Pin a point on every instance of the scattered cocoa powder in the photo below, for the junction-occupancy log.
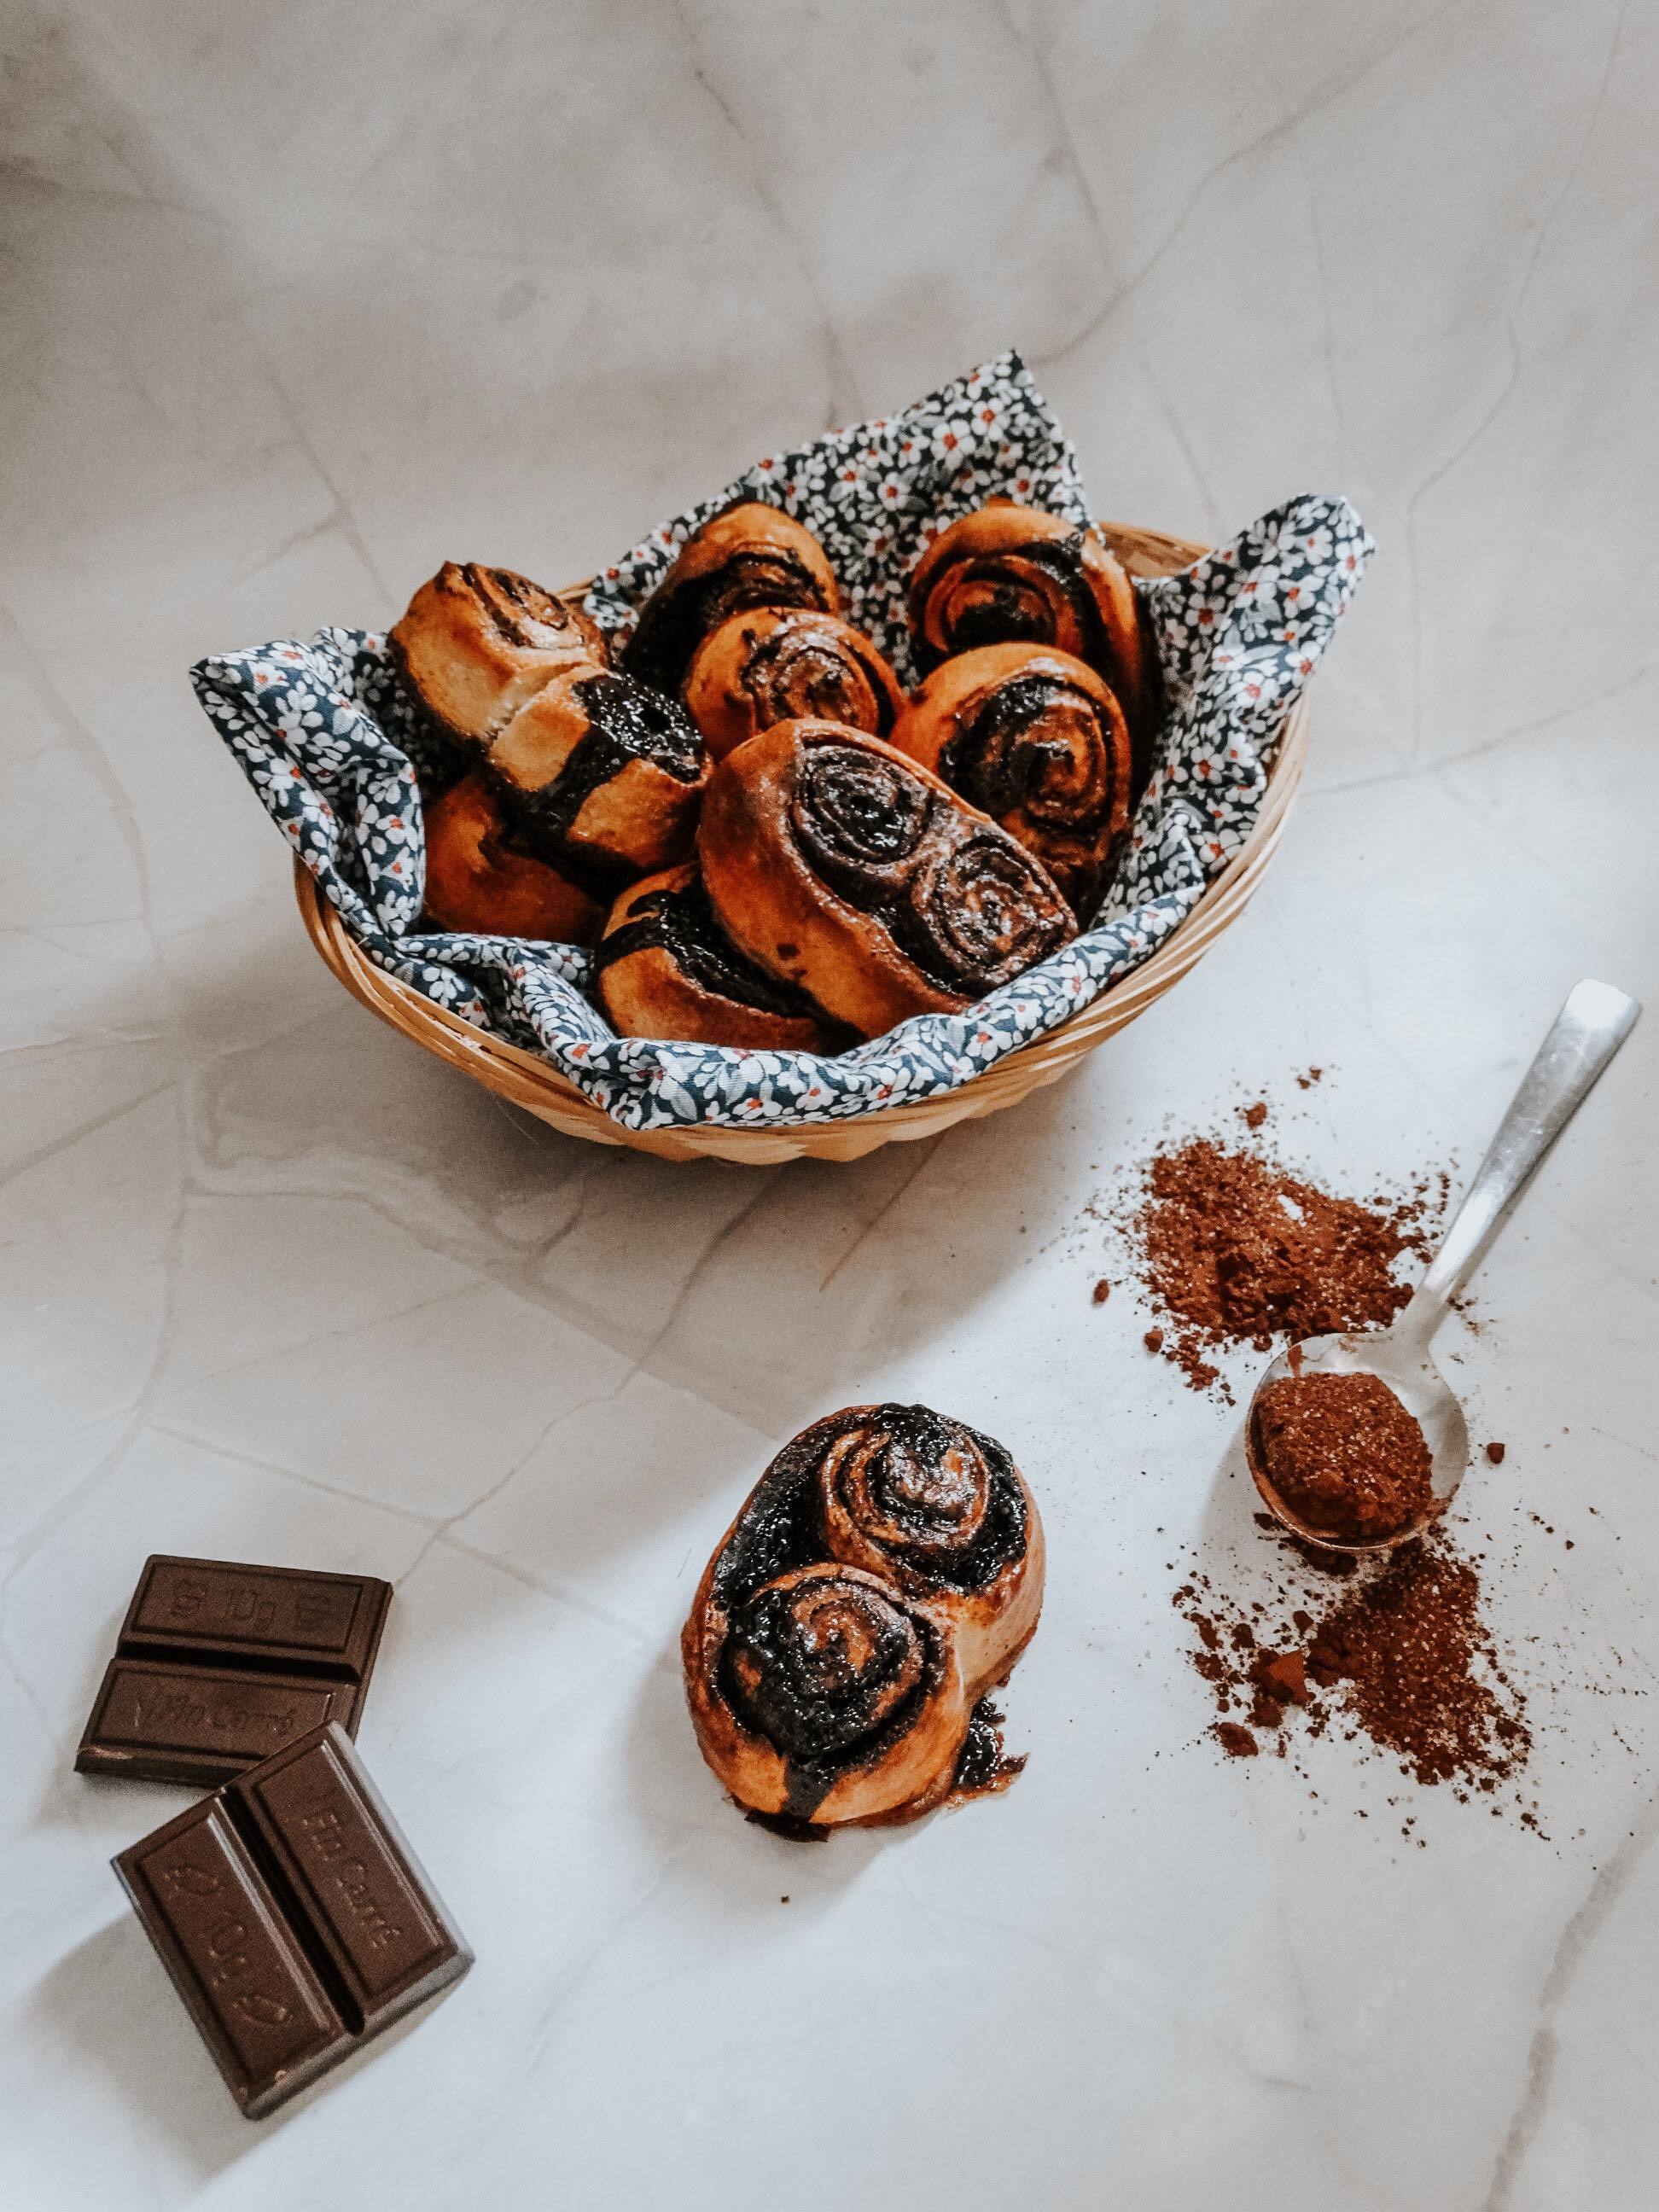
(1306, 1082)
(1153, 1339)
(1234, 1249)
(1256, 1114)
(1495, 1454)
(1343, 1454)
(1419, 1671)
(1401, 1655)
(1102, 1291)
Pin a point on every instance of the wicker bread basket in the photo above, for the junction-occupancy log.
(525, 1080)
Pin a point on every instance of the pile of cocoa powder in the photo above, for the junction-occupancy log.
(1233, 1249)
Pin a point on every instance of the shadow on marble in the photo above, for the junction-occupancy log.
(110, 2002)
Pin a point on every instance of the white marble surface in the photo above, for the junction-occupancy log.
(299, 299)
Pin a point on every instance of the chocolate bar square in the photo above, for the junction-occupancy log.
(218, 1665)
(294, 1919)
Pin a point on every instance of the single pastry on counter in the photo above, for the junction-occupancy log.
(1009, 574)
(480, 878)
(666, 968)
(885, 1573)
(1035, 738)
(600, 774)
(476, 643)
(845, 869)
(751, 556)
(779, 664)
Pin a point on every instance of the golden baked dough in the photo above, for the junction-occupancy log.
(1008, 574)
(751, 556)
(885, 1573)
(778, 664)
(474, 643)
(842, 867)
(666, 968)
(476, 879)
(1036, 740)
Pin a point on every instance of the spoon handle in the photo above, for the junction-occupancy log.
(1588, 1031)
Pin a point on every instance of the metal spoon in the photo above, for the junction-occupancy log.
(1588, 1031)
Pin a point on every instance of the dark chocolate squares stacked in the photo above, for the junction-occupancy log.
(294, 1920)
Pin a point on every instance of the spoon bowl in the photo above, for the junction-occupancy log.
(1421, 1389)
(1586, 1034)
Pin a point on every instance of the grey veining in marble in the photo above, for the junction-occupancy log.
(297, 301)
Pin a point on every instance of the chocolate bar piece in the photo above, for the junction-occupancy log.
(219, 1665)
(294, 1919)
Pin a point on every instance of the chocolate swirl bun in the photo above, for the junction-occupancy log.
(477, 878)
(599, 773)
(1009, 574)
(1038, 741)
(844, 868)
(779, 664)
(883, 1574)
(474, 643)
(666, 968)
(752, 556)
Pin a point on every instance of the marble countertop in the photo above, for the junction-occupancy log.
(299, 301)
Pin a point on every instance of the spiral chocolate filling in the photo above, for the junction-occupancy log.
(970, 907)
(683, 923)
(829, 1668)
(1037, 743)
(520, 611)
(815, 674)
(626, 721)
(821, 1661)
(936, 1495)
(987, 601)
(677, 617)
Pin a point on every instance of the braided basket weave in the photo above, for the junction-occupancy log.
(525, 1080)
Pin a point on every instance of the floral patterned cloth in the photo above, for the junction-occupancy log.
(330, 746)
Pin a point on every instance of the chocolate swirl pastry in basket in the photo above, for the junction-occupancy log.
(580, 777)
(1009, 574)
(886, 1572)
(666, 968)
(474, 643)
(751, 556)
(779, 664)
(847, 871)
(1037, 740)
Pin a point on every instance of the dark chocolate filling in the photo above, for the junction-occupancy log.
(820, 1665)
(626, 721)
(832, 1672)
(516, 606)
(910, 1484)
(813, 674)
(1002, 759)
(678, 615)
(969, 906)
(1012, 612)
(682, 922)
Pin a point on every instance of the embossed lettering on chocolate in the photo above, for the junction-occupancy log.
(218, 1665)
(294, 1920)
